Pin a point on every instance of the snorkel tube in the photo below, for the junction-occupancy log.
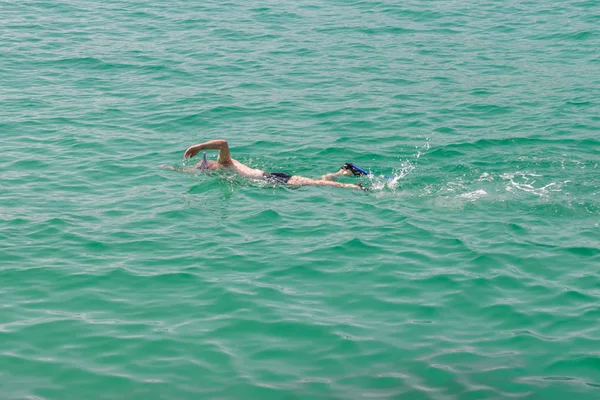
(204, 163)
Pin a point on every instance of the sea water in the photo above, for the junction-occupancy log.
(472, 274)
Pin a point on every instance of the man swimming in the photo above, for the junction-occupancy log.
(224, 161)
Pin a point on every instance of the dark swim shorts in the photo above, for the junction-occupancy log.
(278, 177)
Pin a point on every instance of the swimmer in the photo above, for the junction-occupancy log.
(224, 161)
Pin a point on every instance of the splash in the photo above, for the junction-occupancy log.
(381, 182)
(392, 182)
(423, 149)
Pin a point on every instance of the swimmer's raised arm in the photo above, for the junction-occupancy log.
(221, 145)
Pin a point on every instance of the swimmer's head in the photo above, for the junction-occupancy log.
(205, 164)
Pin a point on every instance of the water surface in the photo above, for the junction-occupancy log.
(471, 275)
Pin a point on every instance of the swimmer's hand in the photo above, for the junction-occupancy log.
(192, 151)
(169, 167)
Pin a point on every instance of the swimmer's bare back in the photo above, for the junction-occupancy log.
(224, 161)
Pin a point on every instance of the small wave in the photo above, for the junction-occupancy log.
(485, 177)
(477, 194)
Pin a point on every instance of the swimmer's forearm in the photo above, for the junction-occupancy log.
(221, 145)
(211, 145)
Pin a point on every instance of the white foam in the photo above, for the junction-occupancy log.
(525, 182)
(485, 177)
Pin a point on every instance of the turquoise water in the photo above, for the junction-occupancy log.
(471, 275)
